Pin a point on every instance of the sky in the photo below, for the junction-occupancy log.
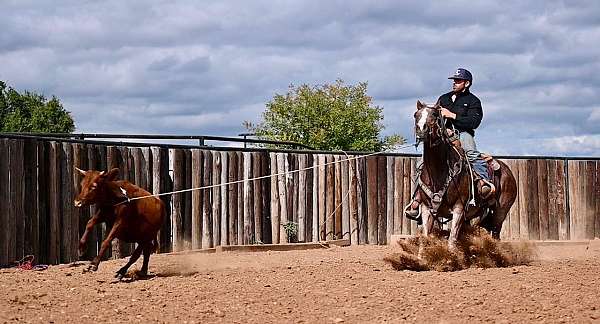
(204, 67)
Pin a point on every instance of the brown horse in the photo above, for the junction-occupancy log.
(446, 183)
(135, 221)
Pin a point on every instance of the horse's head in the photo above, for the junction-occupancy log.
(428, 122)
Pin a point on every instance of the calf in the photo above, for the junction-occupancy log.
(137, 221)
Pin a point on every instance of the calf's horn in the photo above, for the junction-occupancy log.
(80, 171)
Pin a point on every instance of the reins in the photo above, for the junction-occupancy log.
(436, 196)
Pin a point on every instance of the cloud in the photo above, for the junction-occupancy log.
(204, 67)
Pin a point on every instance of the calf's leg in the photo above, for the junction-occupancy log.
(134, 257)
(105, 245)
(148, 247)
(88, 227)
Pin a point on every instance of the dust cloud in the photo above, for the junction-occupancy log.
(476, 249)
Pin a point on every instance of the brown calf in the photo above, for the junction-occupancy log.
(136, 221)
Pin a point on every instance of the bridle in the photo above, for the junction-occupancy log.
(436, 130)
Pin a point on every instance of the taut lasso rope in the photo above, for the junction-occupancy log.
(259, 178)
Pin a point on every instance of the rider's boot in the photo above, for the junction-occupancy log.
(485, 188)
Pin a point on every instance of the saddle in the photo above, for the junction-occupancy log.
(493, 165)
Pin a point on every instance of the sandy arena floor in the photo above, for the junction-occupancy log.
(336, 285)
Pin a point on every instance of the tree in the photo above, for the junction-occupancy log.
(31, 112)
(326, 117)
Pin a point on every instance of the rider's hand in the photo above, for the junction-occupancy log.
(447, 113)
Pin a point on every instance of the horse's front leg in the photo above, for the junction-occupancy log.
(458, 219)
(427, 227)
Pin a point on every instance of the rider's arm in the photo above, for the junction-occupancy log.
(471, 118)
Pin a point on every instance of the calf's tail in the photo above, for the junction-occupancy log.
(155, 245)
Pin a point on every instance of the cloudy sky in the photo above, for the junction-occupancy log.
(203, 67)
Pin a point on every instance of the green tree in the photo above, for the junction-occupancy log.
(32, 112)
(326, 117)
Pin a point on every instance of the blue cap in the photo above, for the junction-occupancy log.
(462, 74)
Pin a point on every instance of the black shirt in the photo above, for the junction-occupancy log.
(467, 108)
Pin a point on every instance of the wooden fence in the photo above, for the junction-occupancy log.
(360, 200)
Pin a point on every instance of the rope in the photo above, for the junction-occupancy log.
(26, 263)
(257, 178)
(272, 175)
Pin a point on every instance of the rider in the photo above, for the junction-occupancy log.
(463, 114)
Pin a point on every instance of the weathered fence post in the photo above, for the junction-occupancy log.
(216, 198)
(372, 199)
(43, 200)
(248, 197)
(337, 207)
(302, 198)
(398, 198)
(161, 183)
(233, 197)
(240, 198)
(330, 198)
(315, 199)
(17, 200)
(322, 193)
(31, 211)
(207, 217)
(55, 203)
(197, 199)
(389, 197)
(178, 198)
(282, 187)
(353, 202)
(275, 217)
(224, 199)
(361, 189)
(257, 197)
(5, 230)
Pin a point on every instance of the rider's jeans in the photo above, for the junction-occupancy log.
(479, 165)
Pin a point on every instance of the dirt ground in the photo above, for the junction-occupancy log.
(335, 285)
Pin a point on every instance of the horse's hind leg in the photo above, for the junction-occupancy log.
(493, 223)
(134, 257)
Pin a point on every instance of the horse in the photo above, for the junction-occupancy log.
(133, 221)
(446, 183)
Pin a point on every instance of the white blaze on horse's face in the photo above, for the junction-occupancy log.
(422, 119)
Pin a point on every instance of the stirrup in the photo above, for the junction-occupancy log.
(413, 214)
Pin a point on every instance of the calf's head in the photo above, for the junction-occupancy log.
(94, 186)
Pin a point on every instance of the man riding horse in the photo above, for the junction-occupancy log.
(463, 114)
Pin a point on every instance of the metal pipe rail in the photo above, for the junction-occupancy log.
(201, 138)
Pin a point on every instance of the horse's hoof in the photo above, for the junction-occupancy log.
(119, 276)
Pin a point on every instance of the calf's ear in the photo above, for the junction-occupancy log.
(420, 105)
(112, 174)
